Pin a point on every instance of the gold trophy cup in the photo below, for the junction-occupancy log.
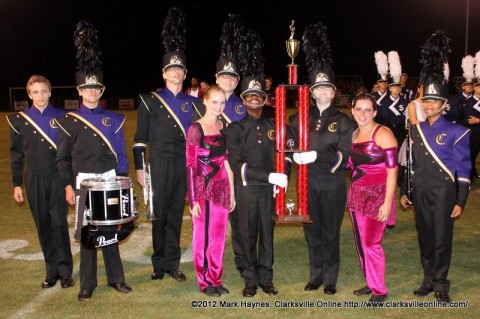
(292, 50)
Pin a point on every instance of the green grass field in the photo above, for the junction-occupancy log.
(22, 271)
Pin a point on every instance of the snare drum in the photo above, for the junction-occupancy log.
(109, 200)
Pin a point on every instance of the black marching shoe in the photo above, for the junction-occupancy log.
(211, 291)
(269, 289)
(310, 286)
(84, 295)
(177, 275)
(249, 291)
(362, 291)
(157, 275)
(66, 282)
(330, 289)
(49, 282)
(442, 296)
(222, 290)
(422, 291)
(378, 298)
(121, 287)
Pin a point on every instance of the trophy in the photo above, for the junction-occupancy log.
(292, 50)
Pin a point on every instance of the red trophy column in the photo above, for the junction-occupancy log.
(280, 96)
(303, 145)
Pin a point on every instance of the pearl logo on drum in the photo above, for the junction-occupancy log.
(102, 242)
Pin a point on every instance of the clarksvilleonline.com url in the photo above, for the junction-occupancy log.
(310, 304)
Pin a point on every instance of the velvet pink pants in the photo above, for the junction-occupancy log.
(208, 243)
(368, 234)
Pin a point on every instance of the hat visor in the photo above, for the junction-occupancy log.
(395, 84)
(228, 73)
(379, 81)
(174, 65)
(433, 98)
(322, 84)
(91, 86)
(254, 91)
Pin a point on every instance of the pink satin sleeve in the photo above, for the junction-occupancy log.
(193, 139)
(391, 157)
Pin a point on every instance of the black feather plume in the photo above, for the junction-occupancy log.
(174, 30)
(434, 56)
(318, 54)
(232, 36)
(250, 55)
(88, 49)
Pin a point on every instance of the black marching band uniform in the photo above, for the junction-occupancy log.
(91, 143)
(163, 119)
(162, 124)
(251, 155)
(441, 166)
(33, 137)
(330, 136)
(440, 179)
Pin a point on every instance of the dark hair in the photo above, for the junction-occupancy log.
(365, 96)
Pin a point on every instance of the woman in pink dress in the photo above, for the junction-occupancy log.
(371, 199)
(210, 192)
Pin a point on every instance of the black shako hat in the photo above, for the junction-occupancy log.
(435, 70)
(318, 56)
(174, 39)
(89, 67)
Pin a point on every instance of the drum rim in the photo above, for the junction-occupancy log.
(107, 184)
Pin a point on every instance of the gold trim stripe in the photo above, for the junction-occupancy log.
(38, 129)
(96, 130)
(12, 125)
(433, 154)
(172, 113)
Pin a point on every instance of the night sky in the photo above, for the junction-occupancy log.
(37, 36)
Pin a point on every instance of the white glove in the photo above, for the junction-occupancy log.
(305, 157)
(297, 157)
(278, 179)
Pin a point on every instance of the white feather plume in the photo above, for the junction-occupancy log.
(477, 65)
(395, 66)
(382, 63)
(468, 63)
(446, 71)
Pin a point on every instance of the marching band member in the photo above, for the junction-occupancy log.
(91, 143)
(251, 154)
(330, 133)
(441, 165)
(163, 120)
(33, 136)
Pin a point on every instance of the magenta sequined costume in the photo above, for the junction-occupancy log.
(208, 185)
(369, 164)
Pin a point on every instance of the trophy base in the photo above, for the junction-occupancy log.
(292, 219)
